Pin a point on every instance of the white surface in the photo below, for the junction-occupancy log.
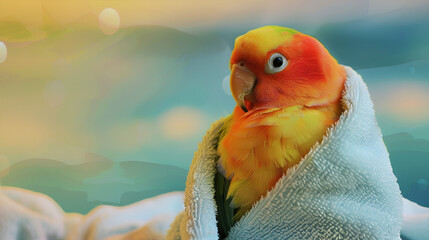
(108, 221)
(29, 215)
(415, 225)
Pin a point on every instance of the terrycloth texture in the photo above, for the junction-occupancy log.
(343, 189)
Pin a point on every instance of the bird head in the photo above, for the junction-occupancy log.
(276, 67)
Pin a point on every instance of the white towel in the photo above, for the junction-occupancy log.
(343, 189)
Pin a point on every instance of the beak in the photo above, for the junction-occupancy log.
(242, 82)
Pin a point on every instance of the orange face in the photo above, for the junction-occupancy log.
(279, 67)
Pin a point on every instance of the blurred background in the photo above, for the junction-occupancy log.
(105, 101)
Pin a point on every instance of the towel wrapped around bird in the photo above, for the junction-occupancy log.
(344, 188)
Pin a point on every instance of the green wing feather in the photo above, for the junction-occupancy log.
(225, 212)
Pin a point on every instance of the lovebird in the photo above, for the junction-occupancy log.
(288, 92)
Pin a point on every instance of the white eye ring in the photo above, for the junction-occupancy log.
(276, 63)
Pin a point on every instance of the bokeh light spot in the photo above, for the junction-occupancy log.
(3, 52)
(109, 21)
(182, 123)
(405, 100)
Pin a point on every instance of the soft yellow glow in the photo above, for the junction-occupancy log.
(181, 123)
(109, 21)
(3, 52)
(23, 131)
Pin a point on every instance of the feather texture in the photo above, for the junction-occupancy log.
(263, 144)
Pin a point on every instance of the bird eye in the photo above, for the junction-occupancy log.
(276, 63)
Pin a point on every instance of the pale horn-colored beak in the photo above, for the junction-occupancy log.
(242, 82)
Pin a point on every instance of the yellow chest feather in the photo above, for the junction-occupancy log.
(261, 145)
